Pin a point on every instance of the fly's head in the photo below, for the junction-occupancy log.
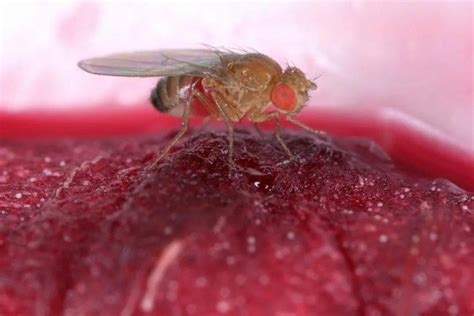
(291, 93)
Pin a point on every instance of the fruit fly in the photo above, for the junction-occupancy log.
(221, 84)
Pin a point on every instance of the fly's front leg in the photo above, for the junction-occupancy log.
(258, 129)
(293, 120)
(184, 128)
(262, 117)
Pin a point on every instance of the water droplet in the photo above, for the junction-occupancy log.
(383, 238)
(290, 235)
(201, 282)
(223, 307)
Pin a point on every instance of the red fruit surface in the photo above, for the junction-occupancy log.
(86, 230)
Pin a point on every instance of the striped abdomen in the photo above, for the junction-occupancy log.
(170, 92)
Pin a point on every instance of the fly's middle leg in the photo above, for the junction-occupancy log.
(225, 117)
(184, 128)
(293, 120)
(262, 117)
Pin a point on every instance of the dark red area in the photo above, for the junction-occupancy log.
(85, 229)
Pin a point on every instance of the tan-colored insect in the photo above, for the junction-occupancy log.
(223, 85)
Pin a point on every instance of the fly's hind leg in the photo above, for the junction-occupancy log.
(184, 128)
(262, 117)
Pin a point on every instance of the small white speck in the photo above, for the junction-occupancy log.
(379, 204)
(383, 238)
(420, 278)
(433, 188)
(18, 195)
(201, 282)
(258, 221)
(347, 212)
(47, 159)
(453, 309)
(406, 189)
(168, 230)
(402, 196)
(251, 240)
(230, 260)
(223, 307)
(433, 236)
(47, 172)
(465, 208)
(62, 163)
(290, 235)
(86, 182)
(33, 179)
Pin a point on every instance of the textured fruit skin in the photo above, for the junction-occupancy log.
(84, 229)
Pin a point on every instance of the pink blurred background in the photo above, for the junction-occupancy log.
(407, 64)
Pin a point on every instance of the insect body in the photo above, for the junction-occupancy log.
(224, 85)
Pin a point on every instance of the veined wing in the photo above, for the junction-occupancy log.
(167, 62)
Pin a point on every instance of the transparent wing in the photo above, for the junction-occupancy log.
(168, 62)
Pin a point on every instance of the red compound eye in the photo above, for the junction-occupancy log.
(284, 97)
